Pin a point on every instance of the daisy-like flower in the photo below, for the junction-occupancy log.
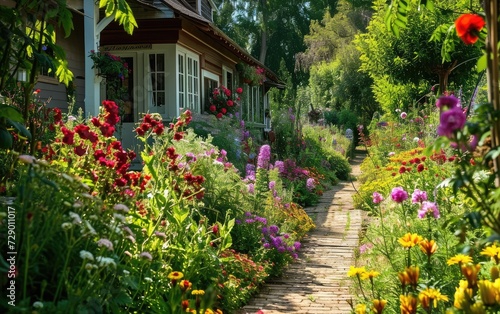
(409, 240)
(492, 251)
(488, 292)
(370, 274)
(378, 305)
(408, 304)
(429, 247)
(356, 271)
(459, 259)
(198, 292)
(185, 285)
(431, 296)
(177, 275)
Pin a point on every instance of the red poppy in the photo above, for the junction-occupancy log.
(468, 27)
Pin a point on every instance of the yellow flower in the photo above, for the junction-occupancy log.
(488, 292)
(428, 247)
(378, 305)
(409, 240)
(413, 273)
(369, 274)
(408, 304)
(197, 292)
(431, 295)
(463, 296)
(175, 275)
(470, 273)
(185, 285)
(360, 309)
(477, 308)
(492, 251)
(460, 259)
(209, 311)
(356, 271)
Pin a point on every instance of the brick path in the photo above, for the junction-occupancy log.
(317, 282)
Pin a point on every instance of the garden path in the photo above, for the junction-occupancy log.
(317, 281)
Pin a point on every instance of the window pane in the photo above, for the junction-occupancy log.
(152, 63)
(160, 59)
(160, 85)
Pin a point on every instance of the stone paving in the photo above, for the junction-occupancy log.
(317, 282)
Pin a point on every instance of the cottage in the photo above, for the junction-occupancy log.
(176, 57)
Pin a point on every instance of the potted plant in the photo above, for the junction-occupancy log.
(251, 75)
(109, 66)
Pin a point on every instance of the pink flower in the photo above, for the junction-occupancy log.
(106, 243)
(418, 196)
(450, 121)
(403, 115)
(448, 102)
(428, 208)
(377, 198)
(399, 195)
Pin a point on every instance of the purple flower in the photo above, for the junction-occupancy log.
(365, 247)
(450, 121)
(286, 236)
(296, 245)
(250, 221)
(191, 156)
(295, 255)
(106, 243)
(281, 249)
(280, 165)
(418, 196)
(264, 157)
(251, 188)
(428, 207)
(448, 102)
(264, 230)
(399, 195)
(377, 198)
(310, 184)
(272, 185)
(146, 255)
(267, 245)
(248, 214)
(274, 229)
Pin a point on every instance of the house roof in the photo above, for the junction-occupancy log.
(182, 8)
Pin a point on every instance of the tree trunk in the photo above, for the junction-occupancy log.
(263, 32)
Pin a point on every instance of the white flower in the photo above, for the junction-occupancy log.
(416, 139)
(86, 255)
(391, 154)
(216, 162)
(90, 228)
(71, 118)
(106, 243)
(89, 266)
(147, 279)
(38, 305)
(105, 261)
(121, 207)
(126, 272)
(76, 217)
(67, 225)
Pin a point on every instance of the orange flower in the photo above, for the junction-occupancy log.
(470, 272)
(468, 27)
(378, 305)
(408, 304)
(428, 247)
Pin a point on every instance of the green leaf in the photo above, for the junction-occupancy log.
(180, 214)
(11, 113)
(481, 63)
(66, 21)
(21, 129)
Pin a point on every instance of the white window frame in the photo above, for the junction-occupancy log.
(225, 71)
(151, 88)
(188, 83)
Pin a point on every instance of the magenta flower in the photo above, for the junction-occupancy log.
(272, 185)
(251, 188)
(418, 196)
(403, 115)
(428, 208)
(310, 184)
(448, 102)
(450, 121)
(399, 195)
(280, 165)
(377, 198)
(264, 157)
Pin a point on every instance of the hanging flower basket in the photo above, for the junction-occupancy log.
(251, 75)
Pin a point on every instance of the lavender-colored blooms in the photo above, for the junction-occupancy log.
(277, 199)
(106, 243)
(448, 102)
(280, 165)
(295, 255)
(418, 196)
(274, 229)
(267, 245)
(377, 198)
(275, 193)
(292, 117)
(237, 221)
(251, 188)
(262, 220)
(310, 184)
(399, 195)
(286, 236)
(272, 185)
(264, 157)
(450, 121)
(250, 221)
(365, 247)
(146, 255)
(242, 124)
(265, 230)
(428, 207)
(281, 249)
(473, 143)
(248, 214)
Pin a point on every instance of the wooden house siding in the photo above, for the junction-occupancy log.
(74, 48)
(206, 9)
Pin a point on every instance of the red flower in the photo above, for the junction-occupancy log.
(178, 136)
(139, 131)
(219, 115)
(230, 103)
(213, 108)
(468, 27)
(68, 137)
(239, 90)
(223, 110)
(420, 167)
(79, 150)
(57, 115)
(107, 129)
(402, 169)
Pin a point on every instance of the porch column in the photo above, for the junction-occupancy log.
(92, 83)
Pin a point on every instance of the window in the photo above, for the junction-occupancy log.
(188, 81)
(157, 76)
(227, 78)
(253, 107)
